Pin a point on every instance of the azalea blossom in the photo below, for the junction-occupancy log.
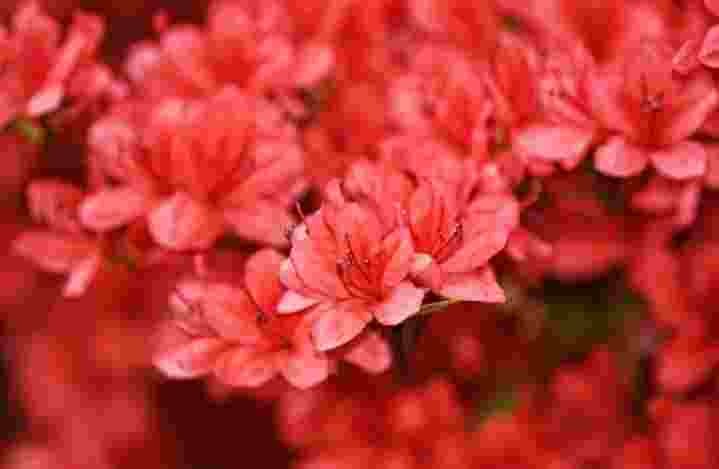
(347, 268)
(196, 169)
(63, 247)
(455, 228)
(37, 66)
(235, 333)
(653, 113)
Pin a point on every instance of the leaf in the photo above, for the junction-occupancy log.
(32, 131)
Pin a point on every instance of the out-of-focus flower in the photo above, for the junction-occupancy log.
(37, 67)
(422, 427)
(250, 45)
(64, 248)
(653, 113)
(196, 169)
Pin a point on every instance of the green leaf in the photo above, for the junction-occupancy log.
(31, 130)
(430, 308)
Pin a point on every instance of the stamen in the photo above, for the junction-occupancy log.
(354, 260)
(456, 235)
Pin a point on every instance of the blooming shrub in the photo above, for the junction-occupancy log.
(341, 234)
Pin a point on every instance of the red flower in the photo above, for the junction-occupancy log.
(653, 112)
(454, 231)
(64, 248)
(199, 168)
(236, 335)
(348, 267)
(37, 66)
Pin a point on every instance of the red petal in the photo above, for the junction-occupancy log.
(52, 252)
(306, 369)
(180, 356)
(337, 324)
(112, 208)
(709, 52)
(180, 222)
(475, 286)
(371, 353)
(262, 221)
(619, 158)
(292, 302)
(684, 160)
(552, 142)
(244, 367)
(404, 301)
(262, 279)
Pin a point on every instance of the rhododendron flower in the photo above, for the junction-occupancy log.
(64, 248)
(254, 46)
(454, 231)
(236, 334)
(654, 112)
(348, 268)
(567, 127)
(36, 65)
(198, 169)
(449, 103)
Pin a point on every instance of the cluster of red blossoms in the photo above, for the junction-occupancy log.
(395, 233)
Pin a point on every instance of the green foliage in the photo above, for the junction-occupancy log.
(33, 131)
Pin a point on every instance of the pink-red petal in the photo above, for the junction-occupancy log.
(404, 301)
(475, 286)
(620, 158)
(681, 161)
(113, 208)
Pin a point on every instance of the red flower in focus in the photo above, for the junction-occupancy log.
(454, 230)
(349, 267)
(197, 169)
(236, 334)
(653, 112)
(36, 66)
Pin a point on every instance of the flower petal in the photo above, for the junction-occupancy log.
(552, 142)
(620, 158)
(52, 252)
(426, 272)
(46, 100)
(181, 356)
(475, 286)
(262, 278)
(313, 64)
(338, 323)
(112, 208)
(231, 313)
(399, 243)
(244, 367)
(681, 161)
(292, 302)
(82, 275)
(180, 222)
(709, 52)
(263, 222)
(304, 370)
(688, 111)
(476, 251)
(404, 301)
(370, 352)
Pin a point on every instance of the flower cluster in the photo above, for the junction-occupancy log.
(422, 233)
